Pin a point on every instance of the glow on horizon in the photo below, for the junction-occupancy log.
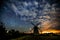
(51, 31)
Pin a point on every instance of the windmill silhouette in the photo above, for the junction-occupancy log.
(35, 28)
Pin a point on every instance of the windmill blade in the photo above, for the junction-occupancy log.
(38, 23)
(32, 23)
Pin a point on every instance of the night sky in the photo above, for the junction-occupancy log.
(18, 14)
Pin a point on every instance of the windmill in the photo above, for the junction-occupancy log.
(35, 28)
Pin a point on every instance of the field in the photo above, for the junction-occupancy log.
(39, 37)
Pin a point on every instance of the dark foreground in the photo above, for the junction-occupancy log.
(39, 37)
(16, 35)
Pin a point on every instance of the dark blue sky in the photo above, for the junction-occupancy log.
(17, 14)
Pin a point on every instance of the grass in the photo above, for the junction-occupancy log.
(38, 37)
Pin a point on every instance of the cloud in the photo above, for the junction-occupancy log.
(35, 3)
(28, 9)
(22, 9)
(46, 25)
(25, 4)
(14, 8)
(47, 17)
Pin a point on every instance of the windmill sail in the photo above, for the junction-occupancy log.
(35, 28)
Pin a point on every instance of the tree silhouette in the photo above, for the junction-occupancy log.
(13, 34)
(2, 31)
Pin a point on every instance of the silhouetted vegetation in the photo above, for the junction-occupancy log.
(11, 34)
(2, 32)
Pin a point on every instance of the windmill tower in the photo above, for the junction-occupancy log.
(35, 28)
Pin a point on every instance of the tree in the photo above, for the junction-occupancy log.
(2, 31)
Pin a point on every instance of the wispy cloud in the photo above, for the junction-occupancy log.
(29, 10)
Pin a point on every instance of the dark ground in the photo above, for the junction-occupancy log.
(39, 37)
